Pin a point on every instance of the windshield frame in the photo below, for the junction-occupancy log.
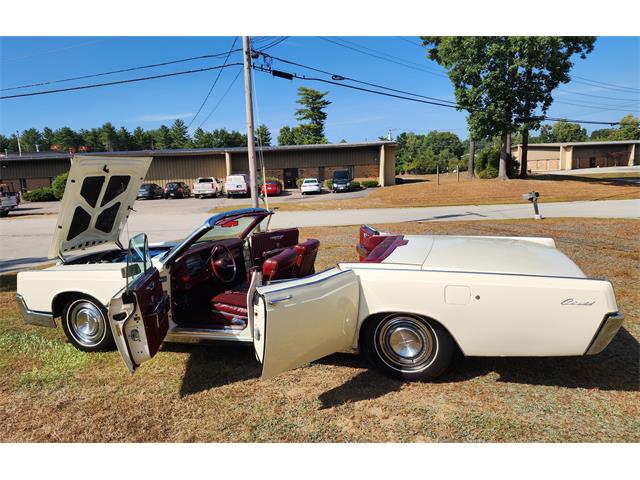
(259, 215)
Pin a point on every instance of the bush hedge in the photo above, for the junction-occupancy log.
(44, 194)
(355, 185)
(58, 184)
(328, 183)
(370, 183)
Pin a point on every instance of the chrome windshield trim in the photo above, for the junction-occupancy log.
(204, 228)
(43, 319)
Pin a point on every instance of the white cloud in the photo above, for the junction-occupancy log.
(163, 116)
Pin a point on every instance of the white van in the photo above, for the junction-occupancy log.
(237, 184)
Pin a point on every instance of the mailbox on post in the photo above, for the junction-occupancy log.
(533, 198)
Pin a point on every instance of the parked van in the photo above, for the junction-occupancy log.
(237, 184)
(206, 187)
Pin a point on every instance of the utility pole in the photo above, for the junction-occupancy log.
(472, 158)
(19, 147)
(251, 150)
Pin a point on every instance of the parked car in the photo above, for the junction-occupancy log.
(237, 185)
(177, 190)
(271, 188)
(206, 187)
(310, 185)
(9, 199)
(408, 305)
(341, 181)
(150, 191)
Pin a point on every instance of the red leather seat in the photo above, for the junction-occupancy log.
(306, 257)
(280, 266)
(230, 306)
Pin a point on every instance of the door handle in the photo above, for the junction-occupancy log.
(275, 301)
(151, 286)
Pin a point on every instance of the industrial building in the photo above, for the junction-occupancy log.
(369, 160)
(545, 157)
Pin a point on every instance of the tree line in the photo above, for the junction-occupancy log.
(311, 116)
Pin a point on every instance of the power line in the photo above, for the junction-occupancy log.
(235, 79)
(213, 85)
(274, 43)
(403, 63)
(117, 82)
(609, 85)
(600, 106)
(359, 81)
(569, 92)
(412, 99)
(417, 44)
(123, 70)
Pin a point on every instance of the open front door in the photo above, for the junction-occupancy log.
(302, 320)
(139, 313)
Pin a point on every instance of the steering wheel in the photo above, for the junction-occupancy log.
(223, 262)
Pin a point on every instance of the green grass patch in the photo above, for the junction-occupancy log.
(52, 362)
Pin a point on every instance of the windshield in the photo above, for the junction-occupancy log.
(204, 180)
(311, 180)
(173, 185)
(230, 228)
(342, 175)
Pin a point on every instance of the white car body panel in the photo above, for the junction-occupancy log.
(296, 322)
(205, 188)
(310, 187)
(491, 314)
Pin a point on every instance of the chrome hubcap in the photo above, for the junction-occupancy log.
(86, 323)
(405, 343)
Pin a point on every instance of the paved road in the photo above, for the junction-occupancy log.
(25, 240)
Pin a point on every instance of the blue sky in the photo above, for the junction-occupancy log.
(353, 115)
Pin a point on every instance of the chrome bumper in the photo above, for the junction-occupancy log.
(34, 318)
(610, 326)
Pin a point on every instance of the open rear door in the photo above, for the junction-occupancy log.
(298, 321)
(139, 313)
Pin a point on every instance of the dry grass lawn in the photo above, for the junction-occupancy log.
(425, 192)
(51, 392)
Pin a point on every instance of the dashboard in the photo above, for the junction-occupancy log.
(192, 267)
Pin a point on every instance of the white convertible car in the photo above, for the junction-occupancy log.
(408, 304)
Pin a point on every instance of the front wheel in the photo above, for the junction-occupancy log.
(408, 346)
(84, 321)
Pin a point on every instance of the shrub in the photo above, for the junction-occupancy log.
(489, 172)
(58, 184)
(355, 184)
(328, 183)
(369, 183)
(299, 182)
(44, 194)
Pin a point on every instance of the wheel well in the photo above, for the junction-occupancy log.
(60, 300)
(374, 316)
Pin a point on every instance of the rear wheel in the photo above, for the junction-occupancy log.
(407, 346)
(84, 321)
(197, 196)
(4, 213)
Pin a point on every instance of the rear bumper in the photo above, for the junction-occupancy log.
(31, 317)
(608, 329)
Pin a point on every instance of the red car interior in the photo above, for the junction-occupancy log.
(267, 244)
(374, 247)
(203, 301)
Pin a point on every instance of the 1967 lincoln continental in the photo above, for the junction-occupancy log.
(408, 304)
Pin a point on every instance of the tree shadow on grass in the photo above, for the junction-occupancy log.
(214, 365)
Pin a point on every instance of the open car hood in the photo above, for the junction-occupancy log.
(99, 194)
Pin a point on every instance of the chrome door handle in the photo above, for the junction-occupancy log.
(151, 286)
(274, 301)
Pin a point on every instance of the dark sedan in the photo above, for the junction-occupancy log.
(177, 190)
(149, 191)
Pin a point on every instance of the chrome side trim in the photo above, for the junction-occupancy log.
(43, 319)
(610, 326)
(195, 335)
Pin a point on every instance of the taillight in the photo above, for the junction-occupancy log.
(179, 190)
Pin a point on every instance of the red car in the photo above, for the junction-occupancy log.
(271, 187)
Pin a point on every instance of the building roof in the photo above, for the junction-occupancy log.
(581, 144)
(192, 151)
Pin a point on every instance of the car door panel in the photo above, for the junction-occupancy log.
(306, 319)
(139, 319)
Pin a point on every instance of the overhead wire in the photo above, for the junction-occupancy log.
(235, 79)
(118, 82)
(213, 85)
(112, 72)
